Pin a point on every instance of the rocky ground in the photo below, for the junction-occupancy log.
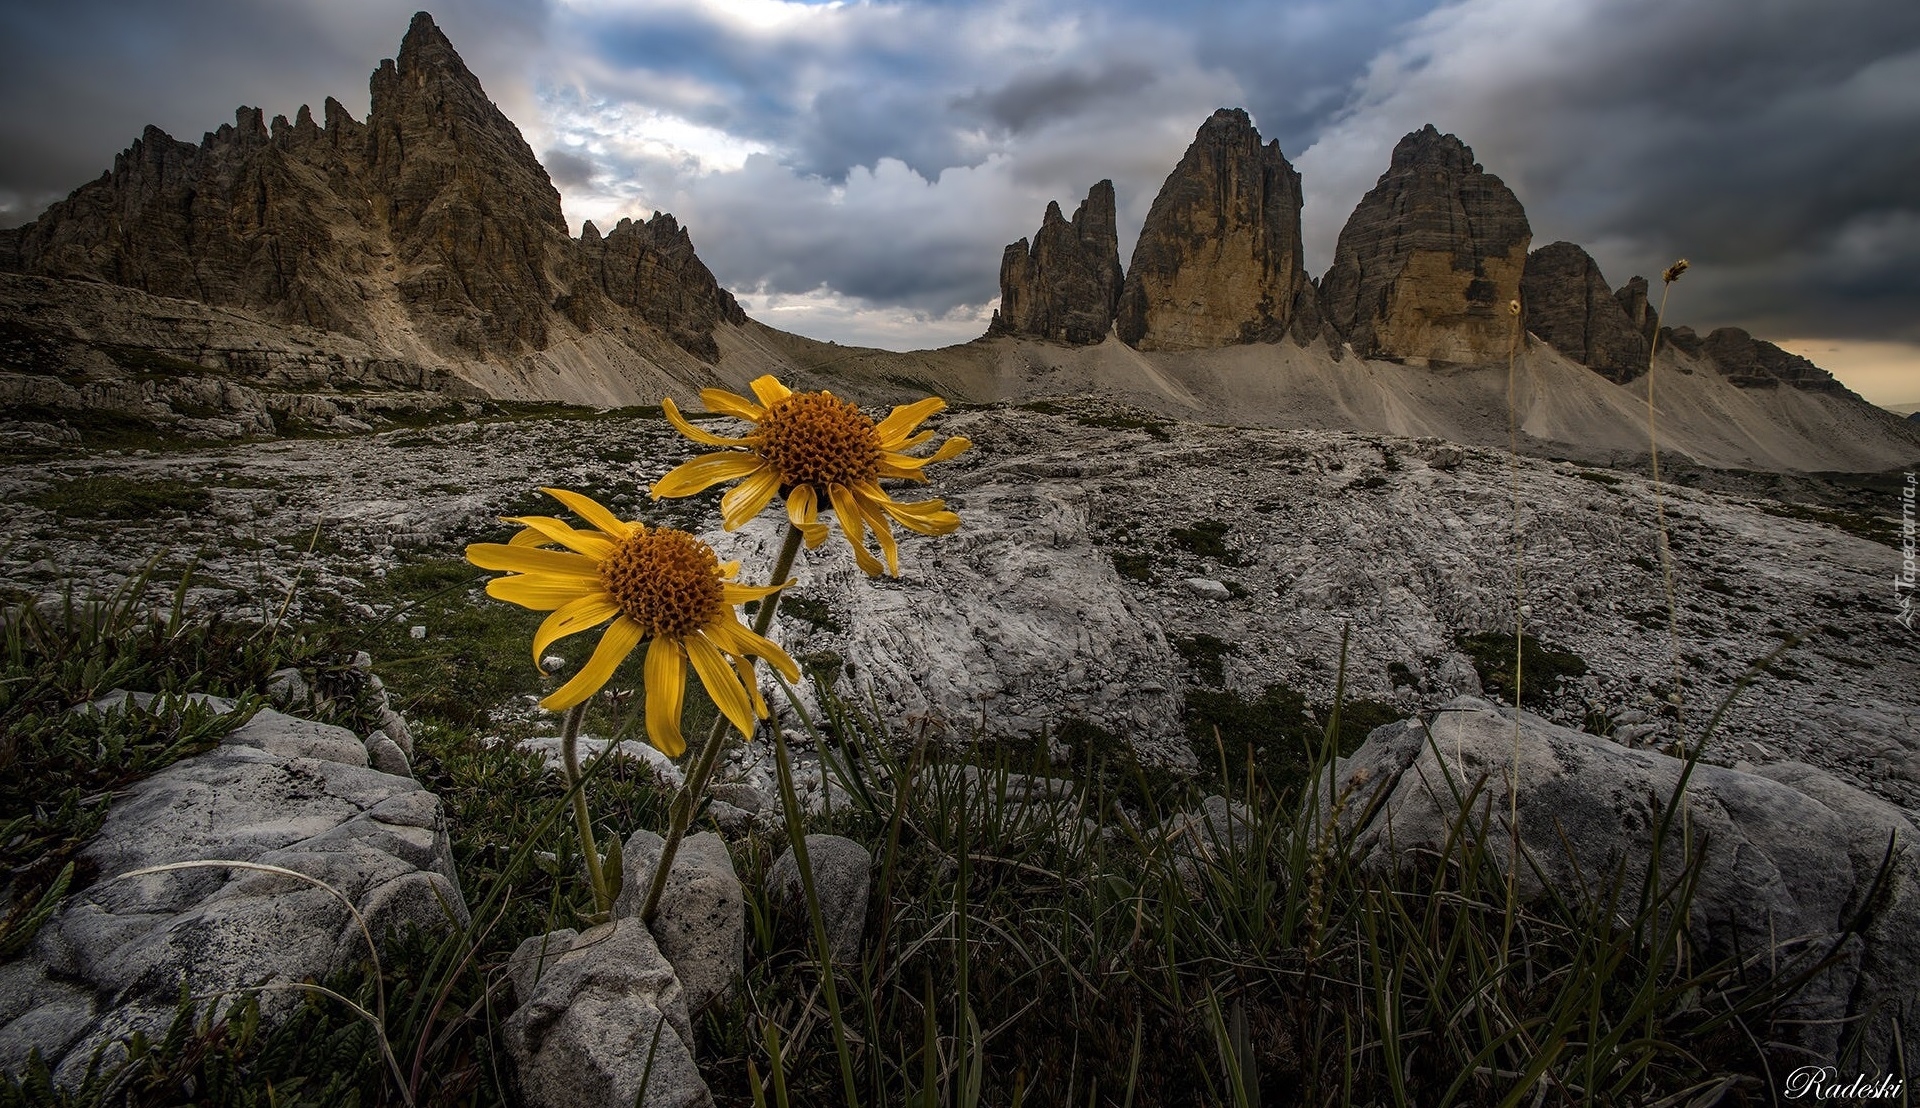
(1108, 562)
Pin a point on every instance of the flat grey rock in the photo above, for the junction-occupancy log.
(111, 960)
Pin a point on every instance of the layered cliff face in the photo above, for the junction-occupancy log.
(1065, 287)
(1428, 262)
(1219, 259)
(431, 229)
(1569, 306)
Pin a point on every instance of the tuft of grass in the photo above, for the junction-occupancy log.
(812, 610)
(1134, 565)
(1273, 735)
(1154, 428)
(1860, 524)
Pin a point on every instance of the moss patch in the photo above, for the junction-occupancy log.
(111, 497)
(1542, 667)
(1207, 538)
(1203, 654)
(1275, 731)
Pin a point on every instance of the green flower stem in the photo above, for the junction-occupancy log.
(702, 768)
(569, 749)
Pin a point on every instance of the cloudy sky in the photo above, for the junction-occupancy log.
(852, 170)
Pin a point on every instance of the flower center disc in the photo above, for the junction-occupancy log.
(666, 581)
(818, 439)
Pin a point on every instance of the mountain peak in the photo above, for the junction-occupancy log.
(1224, 232)
(426, 49)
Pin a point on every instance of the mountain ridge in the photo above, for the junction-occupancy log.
(329, 274)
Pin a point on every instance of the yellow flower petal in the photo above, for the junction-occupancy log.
(744, 500)
(744, 668)
(593, 544)
(621, 637)
(584, 614)
(540, 591)
(527, 536)
(705, 472)
(735, 638)
(681, 424)
(666, 692)
(803, 511)
(869, 499)
(589, 509)
(722, 683)
(526, 559)
(733, 593)
(769, 389)
(952, 448)
(731, 403)
(853, 526)
(894, 429)
(926, 517)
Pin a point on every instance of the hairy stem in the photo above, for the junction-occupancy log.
(570, 753)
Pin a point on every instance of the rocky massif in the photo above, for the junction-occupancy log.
(427, 235)
(1219, 257)
(1427, 264)
(1424, 272)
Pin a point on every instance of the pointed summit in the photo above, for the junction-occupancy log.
(1218, 260)
(1430, 259)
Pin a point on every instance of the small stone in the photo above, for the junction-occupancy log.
(417, 631)
(386, 756)
(287, 687)
(1207, 587)
(702, 923)
(842, 874)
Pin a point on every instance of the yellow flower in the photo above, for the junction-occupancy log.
(813, 447)
(660, 586)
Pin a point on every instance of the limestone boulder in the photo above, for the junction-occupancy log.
(606, 1027)
(701, 928)
(1788, 857)
(279, 791)
(842, 875)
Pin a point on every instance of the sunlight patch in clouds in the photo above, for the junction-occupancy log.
(852, 321)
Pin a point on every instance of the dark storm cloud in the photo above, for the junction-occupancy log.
(1032, 98)
(83, 78)
(568, 169)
